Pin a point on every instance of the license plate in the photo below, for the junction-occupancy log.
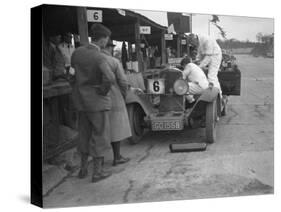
(167, 125)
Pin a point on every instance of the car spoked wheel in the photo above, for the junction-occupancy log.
(211, 119)
(136, 118)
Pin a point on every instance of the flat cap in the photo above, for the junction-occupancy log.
(98, 30)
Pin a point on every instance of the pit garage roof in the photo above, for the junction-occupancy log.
(122, 24)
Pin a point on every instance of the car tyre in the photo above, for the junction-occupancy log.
(211, 119)
(136, 119)
(224, 110)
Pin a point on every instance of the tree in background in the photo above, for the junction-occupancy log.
(234, 43)
(264, 46)
(259, 37)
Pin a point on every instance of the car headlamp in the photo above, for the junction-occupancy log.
(180, 87)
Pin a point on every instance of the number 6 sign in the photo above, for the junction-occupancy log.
(94, 15)
(156, 86)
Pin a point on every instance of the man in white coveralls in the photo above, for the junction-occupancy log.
(209, 56)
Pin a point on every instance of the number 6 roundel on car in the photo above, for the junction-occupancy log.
(156, 86)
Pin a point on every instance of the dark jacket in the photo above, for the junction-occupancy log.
(53, 59)
(93, 79)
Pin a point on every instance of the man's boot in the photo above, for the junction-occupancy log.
(83, 167)
(98, 173)
(118, 158)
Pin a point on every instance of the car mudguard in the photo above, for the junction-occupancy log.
(142, 100)
(209, 94)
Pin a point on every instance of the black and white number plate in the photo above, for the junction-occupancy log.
(166, 125)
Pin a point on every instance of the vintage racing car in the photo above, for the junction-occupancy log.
(163, 105)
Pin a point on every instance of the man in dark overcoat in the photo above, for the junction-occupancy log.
(93, 80)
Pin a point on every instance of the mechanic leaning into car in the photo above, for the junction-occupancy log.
(197, 80)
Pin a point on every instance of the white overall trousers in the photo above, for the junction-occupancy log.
(210, 55)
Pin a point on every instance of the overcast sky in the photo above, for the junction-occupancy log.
(241, 28)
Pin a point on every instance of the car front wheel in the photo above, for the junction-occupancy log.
(136, 118)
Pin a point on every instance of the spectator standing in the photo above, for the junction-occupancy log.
(93, 80)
